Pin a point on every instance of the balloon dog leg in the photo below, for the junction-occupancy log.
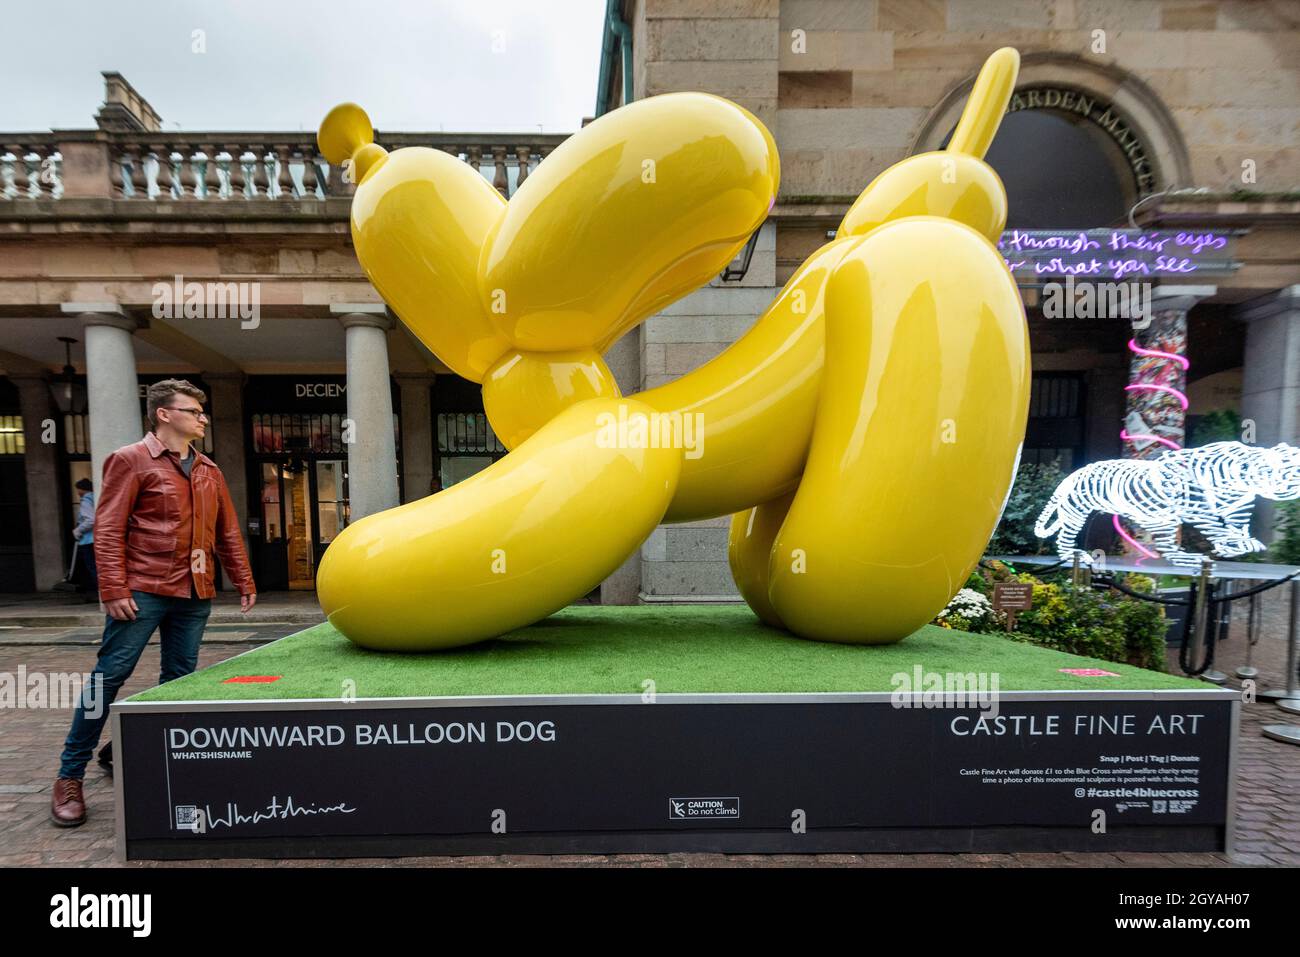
(749, 551)
(510, 545)
(917, 433)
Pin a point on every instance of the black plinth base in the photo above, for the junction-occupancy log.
(601, 774)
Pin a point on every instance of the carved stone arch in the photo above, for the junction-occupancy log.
(1139, 105)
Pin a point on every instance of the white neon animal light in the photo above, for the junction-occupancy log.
(1212, 488)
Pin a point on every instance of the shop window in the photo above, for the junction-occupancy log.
(331, 499)
(319, 432)
(1056, 420)
(11, 435)
(299, 432)
(466, 445)
(76, 434)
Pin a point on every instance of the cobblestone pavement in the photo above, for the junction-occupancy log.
(1268, 825)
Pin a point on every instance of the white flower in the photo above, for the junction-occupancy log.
(968, 604)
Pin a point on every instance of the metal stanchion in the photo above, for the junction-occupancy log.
(1290, 690)
(1200, 620)
(1197, 612)
(1289, 700)
(1248, 670)
(1221, 608)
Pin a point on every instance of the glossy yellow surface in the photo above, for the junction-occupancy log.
(756, 402)
(636, 210)
(749, 552)
(419, 220)
(864, 433)
(525, 390)
(954, 183)
(521, 539)
(918, 429)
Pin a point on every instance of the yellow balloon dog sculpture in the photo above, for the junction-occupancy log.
(865, 431)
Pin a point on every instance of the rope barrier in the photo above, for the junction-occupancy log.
(1034, 569)
(1108, 582)
(1259, 588)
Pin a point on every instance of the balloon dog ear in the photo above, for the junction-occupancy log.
(986, 104)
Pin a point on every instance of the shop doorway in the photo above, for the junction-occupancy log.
(304, 505)
(16, 571)
(298, 440)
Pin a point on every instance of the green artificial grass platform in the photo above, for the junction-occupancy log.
(613, 650)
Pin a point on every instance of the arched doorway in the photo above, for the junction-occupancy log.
(1080, 144)
(1061, 170)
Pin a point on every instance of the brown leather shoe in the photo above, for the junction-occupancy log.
(69, 807)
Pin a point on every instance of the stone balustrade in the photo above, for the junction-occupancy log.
(30, 166)
(161, 167)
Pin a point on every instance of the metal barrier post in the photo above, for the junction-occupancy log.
(1198, 613)
(1288, 701)
(1248, 670)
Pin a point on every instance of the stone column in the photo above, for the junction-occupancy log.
(417, 433)
(1155, 413)
(1270, 380)
(372, 453)
(623, 587)
(226, 400)
(41, 469)
(111, 383)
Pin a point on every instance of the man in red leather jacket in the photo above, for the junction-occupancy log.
(163, 511)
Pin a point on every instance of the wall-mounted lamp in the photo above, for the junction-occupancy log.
(737, 268)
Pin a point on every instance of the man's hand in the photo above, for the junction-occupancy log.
(123, 609)
(246, 603)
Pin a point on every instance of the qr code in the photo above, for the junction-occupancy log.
(1159, 807)
(187, 816)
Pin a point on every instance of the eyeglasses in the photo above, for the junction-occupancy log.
(197, 413)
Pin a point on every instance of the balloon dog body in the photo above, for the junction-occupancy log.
(864, 433)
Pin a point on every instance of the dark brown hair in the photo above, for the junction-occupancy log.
(160, 395)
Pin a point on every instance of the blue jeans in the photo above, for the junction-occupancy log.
(90, 579)
(180, 623)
